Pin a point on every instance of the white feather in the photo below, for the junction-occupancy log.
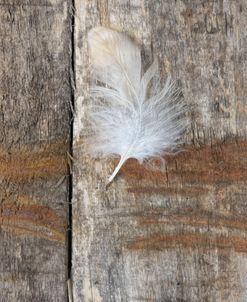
(131, 116)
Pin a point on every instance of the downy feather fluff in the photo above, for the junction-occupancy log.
(132, 117)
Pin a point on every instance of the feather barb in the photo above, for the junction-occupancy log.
(132, 116)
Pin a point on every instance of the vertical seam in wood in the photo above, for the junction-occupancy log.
(72, 102)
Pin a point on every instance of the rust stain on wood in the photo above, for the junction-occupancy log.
(191, 171)
(186, 191)
(203, 219)
(45, 161)
(189, 240)
(187, 13)
(35, 220)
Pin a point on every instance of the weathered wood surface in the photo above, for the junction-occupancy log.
(35, 38)
(178, 235)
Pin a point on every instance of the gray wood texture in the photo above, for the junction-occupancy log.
(178, 235)
(35, 92)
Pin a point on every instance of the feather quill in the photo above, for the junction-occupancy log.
(132, 116)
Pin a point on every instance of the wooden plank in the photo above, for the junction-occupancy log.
(35, 125)
(180, 234)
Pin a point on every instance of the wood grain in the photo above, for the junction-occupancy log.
(178, 234)
(35, 124)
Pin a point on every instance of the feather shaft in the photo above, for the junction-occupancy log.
(118, 167)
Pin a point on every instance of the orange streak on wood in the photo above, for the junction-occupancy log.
(46, 161)
(190, 171)
(186, 191)
(36, 220)
(188, 240)
(196, 219)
